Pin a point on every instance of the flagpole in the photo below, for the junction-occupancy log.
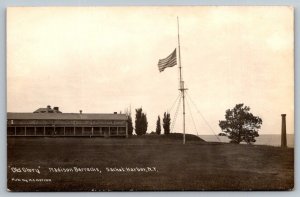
(181, 83)
(179, 56)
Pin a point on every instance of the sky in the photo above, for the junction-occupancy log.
(104, 60)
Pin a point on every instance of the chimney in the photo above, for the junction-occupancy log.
(115, 112)
(283, 131)
(56, 108)
(48, 107)
(80, 111)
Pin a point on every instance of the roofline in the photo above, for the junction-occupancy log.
(60, 116)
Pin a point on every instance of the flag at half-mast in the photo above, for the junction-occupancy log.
(169, 61)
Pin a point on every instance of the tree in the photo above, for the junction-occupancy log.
(130, 127)
(158, 127)
(240, 125)
(141, 123)
(166, 123)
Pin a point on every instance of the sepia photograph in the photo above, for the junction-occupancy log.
(150, 98)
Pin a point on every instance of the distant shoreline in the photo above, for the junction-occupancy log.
(263, 139)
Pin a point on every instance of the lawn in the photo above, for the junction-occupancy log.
(145, 163)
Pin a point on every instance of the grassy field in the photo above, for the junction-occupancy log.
(145, 163)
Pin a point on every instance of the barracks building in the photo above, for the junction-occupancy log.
(52, 122)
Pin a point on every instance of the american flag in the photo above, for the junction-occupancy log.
(169, 61)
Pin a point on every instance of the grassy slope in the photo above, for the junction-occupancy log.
(195, 166)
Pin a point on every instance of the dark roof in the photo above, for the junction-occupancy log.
(64, 116)
(46, 110)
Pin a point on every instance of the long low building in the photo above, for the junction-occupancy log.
(66, 124)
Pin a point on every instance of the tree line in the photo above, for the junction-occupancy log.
(141, 123)
(240, 125)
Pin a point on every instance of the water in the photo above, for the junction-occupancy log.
(270, 139)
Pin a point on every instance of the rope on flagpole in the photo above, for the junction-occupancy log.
(192, 117)
(174, 103)
(175, 115)
(204, 118)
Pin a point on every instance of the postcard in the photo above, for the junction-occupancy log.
(150, 98)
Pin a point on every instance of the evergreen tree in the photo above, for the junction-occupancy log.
(141, 122)
(130, 127)
(166, 123)
(158, 127)
(240, 125)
